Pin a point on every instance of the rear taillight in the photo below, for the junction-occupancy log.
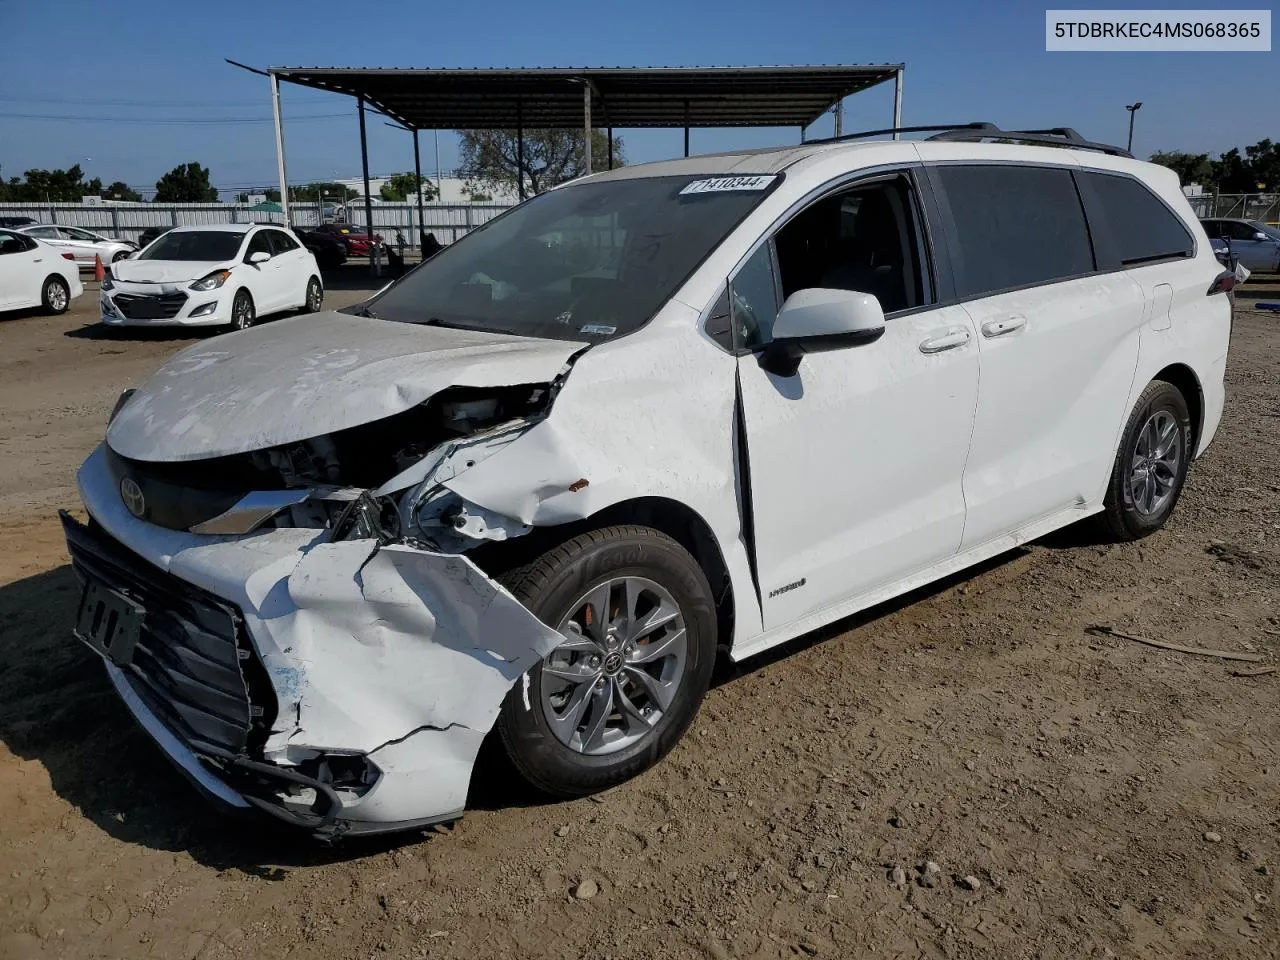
(1225, 282)
(68, 256)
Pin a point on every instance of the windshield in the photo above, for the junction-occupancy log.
(207, 245)
(586, 262)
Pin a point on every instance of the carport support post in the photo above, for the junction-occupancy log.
(280, 168)
(586, 126)
(519, 146)
(897, 103)
(610, 135)
(686, 128)
(364, 166)
(417, 172)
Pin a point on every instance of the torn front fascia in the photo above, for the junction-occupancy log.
(393, 653)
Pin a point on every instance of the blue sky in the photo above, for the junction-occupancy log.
(163, 59)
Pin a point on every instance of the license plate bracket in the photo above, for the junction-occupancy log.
(108, 622)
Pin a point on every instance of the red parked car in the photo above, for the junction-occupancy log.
(356, 240)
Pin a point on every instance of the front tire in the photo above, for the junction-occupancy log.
(639, 623)
(55, 296)
(1151, 464)
(242, 311)
(120, 255)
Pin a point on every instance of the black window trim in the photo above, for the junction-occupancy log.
(1092, 216)
(937, 266)
(1093, 208)
(947, 222)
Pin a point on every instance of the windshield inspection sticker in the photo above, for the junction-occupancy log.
(598, 329)
(719, 184)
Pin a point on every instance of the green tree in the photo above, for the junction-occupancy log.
(1231, 174)
(121, 191)
(186, 183)
(1190, 167)
(1263, 162)
(550, 157)
(51, 186)
(404, 185)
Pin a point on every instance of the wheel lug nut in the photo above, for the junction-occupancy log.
(595, 661)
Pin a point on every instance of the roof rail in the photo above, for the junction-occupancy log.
(1050, 136)
(925, 129)
(979, 131)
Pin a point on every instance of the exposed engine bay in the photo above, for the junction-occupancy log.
(351, 481)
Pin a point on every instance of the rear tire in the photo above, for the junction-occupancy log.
(315, 296)
(242, 311)
(627, 722)
(55, 296)
(1151, 464)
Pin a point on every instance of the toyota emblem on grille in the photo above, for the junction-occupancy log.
(132, 496)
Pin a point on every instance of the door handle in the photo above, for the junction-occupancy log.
(998, 328)
(955, 337)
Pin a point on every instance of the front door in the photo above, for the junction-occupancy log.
(263, 279)
(855, 461)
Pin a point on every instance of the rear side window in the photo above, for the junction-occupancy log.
(1139, 228)
(281, 242)
(1015, 226)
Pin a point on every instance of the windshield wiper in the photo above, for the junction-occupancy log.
(366, 311)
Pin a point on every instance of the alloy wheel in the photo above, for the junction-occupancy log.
(609, 683)
(56, 295)
(242, 313)
(1156, 463)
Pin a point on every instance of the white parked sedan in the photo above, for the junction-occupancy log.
(83, 245)
(213, 275)
(33, 274)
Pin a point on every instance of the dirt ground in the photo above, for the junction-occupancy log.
(1106, 798)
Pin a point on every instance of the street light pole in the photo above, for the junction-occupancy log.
(1133, 108)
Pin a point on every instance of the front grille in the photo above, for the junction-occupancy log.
(192, 665)
(159, 307)
(176, 506)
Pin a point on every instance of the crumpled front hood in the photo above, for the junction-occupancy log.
(163, 271)
(311, 375)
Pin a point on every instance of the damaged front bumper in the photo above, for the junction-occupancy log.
(342, 686)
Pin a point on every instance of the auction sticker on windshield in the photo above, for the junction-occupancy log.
(720, 184)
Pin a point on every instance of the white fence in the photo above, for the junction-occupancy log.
(448, 221)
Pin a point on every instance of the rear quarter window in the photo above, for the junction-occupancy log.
(1014, 226)
(1131, 224)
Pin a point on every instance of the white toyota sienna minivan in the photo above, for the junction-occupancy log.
(718, 402)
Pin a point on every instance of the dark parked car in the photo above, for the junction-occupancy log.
(151, 233)
(14, 222)
(329, 250)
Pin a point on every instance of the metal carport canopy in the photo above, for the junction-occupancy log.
(589, 97)
(504, 98)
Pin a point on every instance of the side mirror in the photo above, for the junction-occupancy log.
(260, 257)
(1259, 235)
(819, 319)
